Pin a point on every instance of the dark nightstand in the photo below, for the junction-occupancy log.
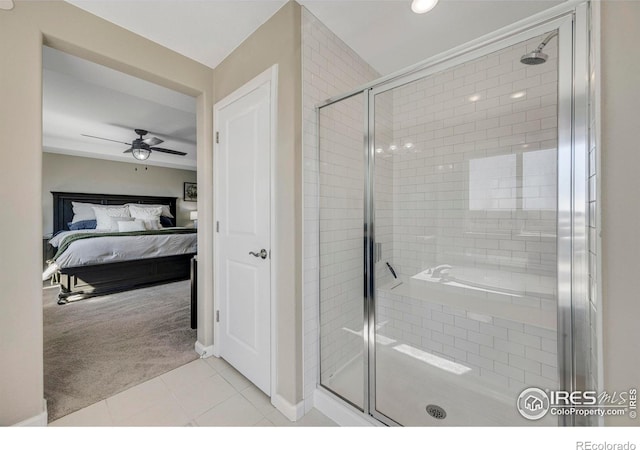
(194, 292)
(47, 251)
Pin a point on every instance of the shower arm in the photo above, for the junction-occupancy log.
(546, 41)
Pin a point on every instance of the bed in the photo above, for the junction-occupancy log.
(135, 260)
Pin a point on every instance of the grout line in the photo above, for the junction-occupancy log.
(173, 396)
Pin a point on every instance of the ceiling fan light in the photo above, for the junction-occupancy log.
(423, 6)
(141, 154)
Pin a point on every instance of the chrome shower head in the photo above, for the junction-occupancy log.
(534, 58)
(537, 57)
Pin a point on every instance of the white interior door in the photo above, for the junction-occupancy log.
(243, 237)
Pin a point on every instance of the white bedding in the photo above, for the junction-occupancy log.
(108, 249)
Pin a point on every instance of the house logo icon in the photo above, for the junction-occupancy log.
(533, 403)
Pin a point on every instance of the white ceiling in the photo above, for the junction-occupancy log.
(386, 33)
(204, 30)
(81, 97)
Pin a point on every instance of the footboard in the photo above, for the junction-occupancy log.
(78, 283)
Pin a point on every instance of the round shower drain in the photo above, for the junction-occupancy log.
(436, 412)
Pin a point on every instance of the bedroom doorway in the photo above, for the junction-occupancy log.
(243, 147)
(115, 313)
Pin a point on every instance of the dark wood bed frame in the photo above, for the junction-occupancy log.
(82, 282)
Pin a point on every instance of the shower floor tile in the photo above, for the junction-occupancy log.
(406, 385)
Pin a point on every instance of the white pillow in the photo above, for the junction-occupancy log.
(84, 211)
(130, 225)
(166, 211)
(143, 213)
(150, 216)
(151, 224)
(106, 218)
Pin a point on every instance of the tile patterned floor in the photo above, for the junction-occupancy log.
(204, 393)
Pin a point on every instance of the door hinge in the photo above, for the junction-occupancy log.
(218, 316)
(217, 227)
(217, 137)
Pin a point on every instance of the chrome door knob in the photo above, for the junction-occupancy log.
(262, 254)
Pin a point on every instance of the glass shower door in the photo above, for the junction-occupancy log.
(465, 204)
(341, 209)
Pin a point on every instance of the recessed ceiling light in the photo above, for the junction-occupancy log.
(423, 6)
(516, 95)
(408, 145)
(393, 147)
(6, 4)
(474, 98)
(378, 150)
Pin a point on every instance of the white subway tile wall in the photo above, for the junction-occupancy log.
(473, 156)
(593, 381)
(331, 68)
(341, 246)
(474, 173)
(507, 355)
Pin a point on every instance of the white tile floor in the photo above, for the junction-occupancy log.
(206, 392)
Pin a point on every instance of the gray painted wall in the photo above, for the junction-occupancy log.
(97, 176)
(23, 30)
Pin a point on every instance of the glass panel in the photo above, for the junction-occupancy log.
(465, 216)
(342, 169)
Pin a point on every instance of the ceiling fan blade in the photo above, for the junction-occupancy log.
(128, 151)
(166, 150)
(105, 139)
(152, 141)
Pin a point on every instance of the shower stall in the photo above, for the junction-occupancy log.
(452, 240)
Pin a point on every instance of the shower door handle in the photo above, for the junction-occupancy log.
(262, 254)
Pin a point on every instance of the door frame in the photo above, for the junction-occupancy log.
(268, 76)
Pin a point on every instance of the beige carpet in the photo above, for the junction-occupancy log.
(97, 347)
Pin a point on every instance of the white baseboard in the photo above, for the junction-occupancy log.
(203, 351)
(39, 420)
(289, 410)
(342, 414)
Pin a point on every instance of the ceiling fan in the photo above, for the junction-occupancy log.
(142, 147)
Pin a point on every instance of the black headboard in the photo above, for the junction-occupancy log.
(63, 209)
